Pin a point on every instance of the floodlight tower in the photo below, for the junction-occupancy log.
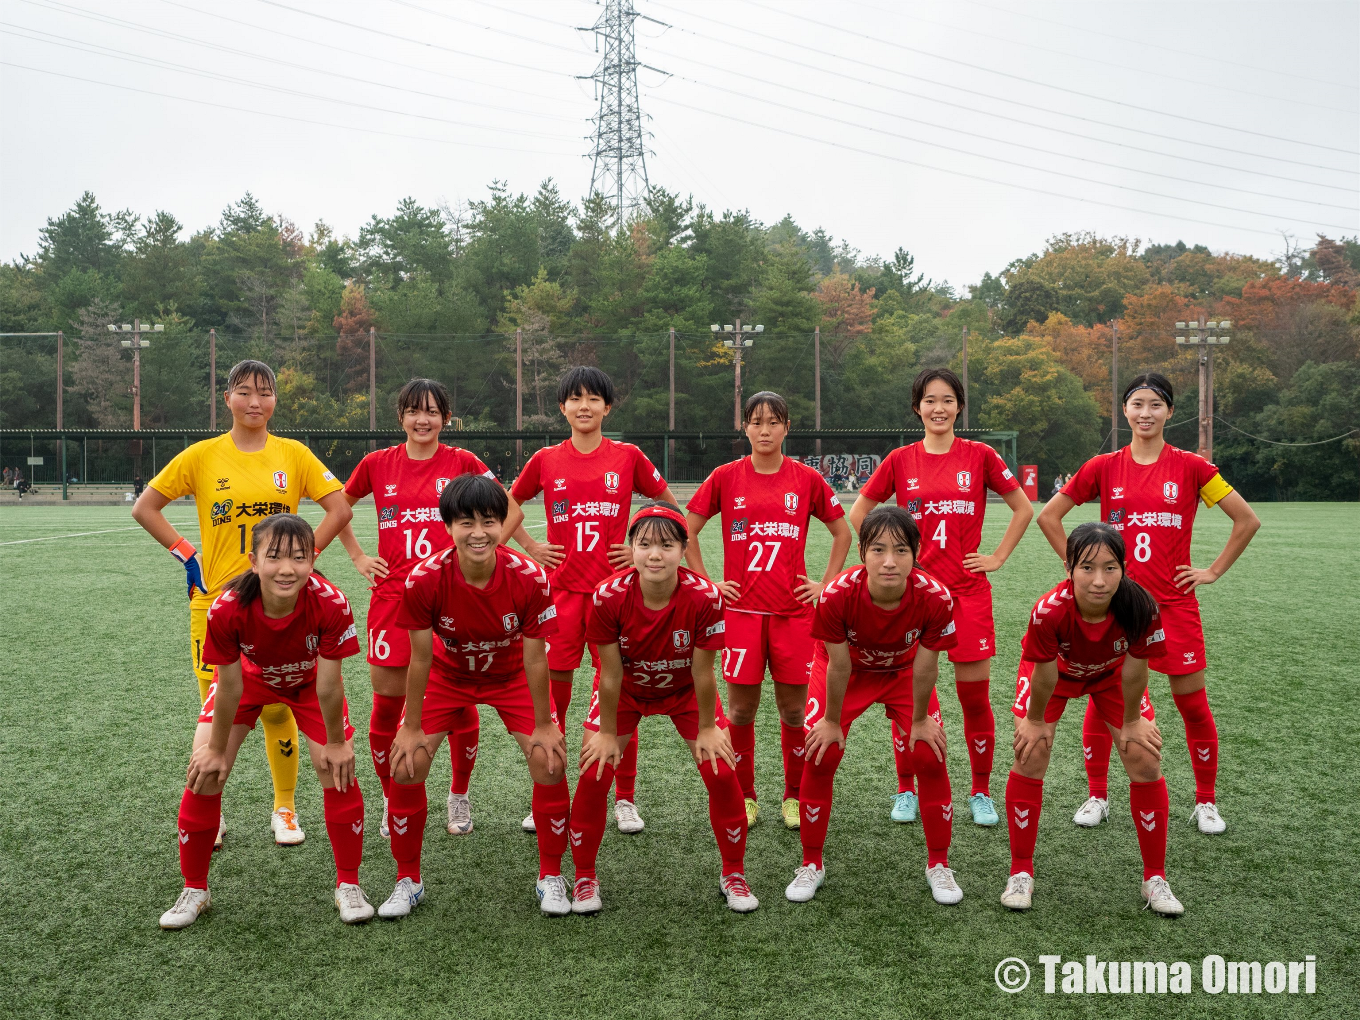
(137, 328)
(738, 338)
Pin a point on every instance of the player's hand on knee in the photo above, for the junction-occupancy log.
(713, 744)
(553, 744)
(408, 741)
(1142, 733)
(600, 749)
(337, 761)
(1031, 738)
(207, 768)
(931, 732)
(823, 734)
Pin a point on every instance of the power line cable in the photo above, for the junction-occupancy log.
(1272, 442)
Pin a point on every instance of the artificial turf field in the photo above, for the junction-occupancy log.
(97, 706)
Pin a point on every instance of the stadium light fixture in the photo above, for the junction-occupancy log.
(738, 337)
(137, 328)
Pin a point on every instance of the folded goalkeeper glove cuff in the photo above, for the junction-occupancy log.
(183, 550)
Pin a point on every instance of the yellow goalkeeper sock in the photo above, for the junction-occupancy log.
(281, 747)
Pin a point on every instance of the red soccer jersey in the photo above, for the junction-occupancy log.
(406, 494)
(657, 645)
(883, 640)
(1087, 653)
(947, 495)
(764, 524)
(1154, 506)
(478, 632)
(586, 498)
(281, 653)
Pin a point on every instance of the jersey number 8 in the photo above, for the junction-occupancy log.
(1142, 547)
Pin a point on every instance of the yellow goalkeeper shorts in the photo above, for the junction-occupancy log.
(198, 634)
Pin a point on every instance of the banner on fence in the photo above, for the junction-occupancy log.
(840, 468)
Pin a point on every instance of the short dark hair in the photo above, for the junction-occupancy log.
(893, 521)
(585, 380)
(274, 534)
(1154, 381)
(772, 401)
(664, 527)
(472, 496)
(928, 376)
(249, 369)
(414, 394)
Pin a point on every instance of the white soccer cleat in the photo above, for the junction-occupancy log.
(353, 904)
(403, 899)
(806, 881)
(1019, 891)
(1092, 813)
(942, 885)
(287, 829)
(460, 814)
(1206, 815)
(738, 893)
(190, 904)
(1160, 899)
(585, 897)
(552, 896)
(626, 817)
(384, 830)
(221, 831)
(528, 824)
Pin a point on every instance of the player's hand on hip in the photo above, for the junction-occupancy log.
(599, 749)
(547, 554)
(207, 768)
(339, 759)
(982, 563)
(1144, 733)
(931, 732)
(1189, 578)
(713, 744)
(408, 740)
(553, 744)
(184, 551)
(823, 734)
(731, 590)
(809, 591)
(373, 568)
(620, 556)
(1030, 736)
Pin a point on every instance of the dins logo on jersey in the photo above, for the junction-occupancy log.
(611, 481)
(560, 511)
(965, 480)
(790, 502)
(281, 480)
(221, 513)
(913, 506)
(440, 484)
(1170, 490)
(387, 517)
(738, 530)
(1116, 515)
(680, 639)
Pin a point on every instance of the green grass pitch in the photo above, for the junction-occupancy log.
(97, 707)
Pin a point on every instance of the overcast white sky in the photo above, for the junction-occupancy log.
(966, 131)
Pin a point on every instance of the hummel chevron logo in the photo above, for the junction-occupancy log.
(400, 825)
(899, 744)
(576, 837)
(813, 813)
(947, 812)
(380, 756)
(558, 825)
(734, 835)
(1148, 819)
(1202, 753)
(183, 836)
(470, 752)
(1022, 818)
(980, 745)
(798, 751)
(358, 828)
(1086, 750)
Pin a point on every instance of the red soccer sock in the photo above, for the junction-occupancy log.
(625, 774)
(552, 811)
(407, 810)
(791, 743)
(1024, 801)
(727, 815)
(979, 729)
(199, 816)
(561, 701)
(744, 747)
(588, 819)
(814, 802)
(937, 808)
(1150, 804)
(1201, 737)
(382, 727)
(1096, 743)
(906, 778)
(463, 749)
(345, 827)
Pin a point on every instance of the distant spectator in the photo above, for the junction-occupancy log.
(138, 485)
(21, 484)
(1057, 485)
(9, 477)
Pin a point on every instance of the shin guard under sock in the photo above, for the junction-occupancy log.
(979, 730)
(1201, 737)
(744, 748)
(1024, 801)
(814, 802)
(383, 724)
(199, 816)
(937, 808)
(791, 744)
(552, 811)
(345, 827)
(1096, 744)
(407, 810)
(463, 749)
(1150, 805)
(588, 819)
(727, 815)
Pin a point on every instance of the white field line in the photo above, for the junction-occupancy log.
(78, 534)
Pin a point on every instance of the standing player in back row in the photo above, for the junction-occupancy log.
(587, 483)
(1150, 491)
(942, 481)
(766, 502)
(406, 482)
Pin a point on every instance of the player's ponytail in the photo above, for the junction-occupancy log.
(281, 534)
(1132, 606)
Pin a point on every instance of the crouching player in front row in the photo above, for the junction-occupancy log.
(478, 617)
(277, 635)
(1093, 634)
(880, 629)
(657, 626)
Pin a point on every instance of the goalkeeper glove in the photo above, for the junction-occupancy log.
(184, 551)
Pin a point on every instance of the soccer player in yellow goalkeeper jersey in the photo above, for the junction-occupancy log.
(237, 480)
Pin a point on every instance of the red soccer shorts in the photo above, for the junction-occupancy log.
(566, 647)
(754, 640)
(973, 627)
(1183, 650)
(682, 707)
(891, 689)
(255, 695)
(388, 644)
(444, 701)
(1108, 697)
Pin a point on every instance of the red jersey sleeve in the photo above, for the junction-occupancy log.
(418, 598)
(1040, 643)
(540, 614)
(883, 482)
(222, 643)
(1152, 641)
(825, 506)
(937, 631)
(709, 628)
(338, 632)
(996, 475)
(707, 501)
(603, 626)
(360, 482)
(646, 478)
(1085, 485)
(828, 619)
(528, 484)
(1204, 471)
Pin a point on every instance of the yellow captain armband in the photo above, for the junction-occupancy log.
(1214, 490)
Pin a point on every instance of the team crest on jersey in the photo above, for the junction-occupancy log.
(611, 481)
(313, 642)
(791, 501)
(1121, 645)
(440, 484)
(511, 621)
(1116, 515)
(1170, 490)
(680, 639)
(965, 480)
(281, 480)
(913, 506)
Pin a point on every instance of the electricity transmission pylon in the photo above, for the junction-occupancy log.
(618, 156)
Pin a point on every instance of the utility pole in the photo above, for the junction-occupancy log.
(817, 384)
(1114, 386)
(519, 396)
(1205, 340)
(61, 391)
(670, 417)
(739, 337)
(965, 377)
(372, 385)
(212, 380)
(137, 343)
